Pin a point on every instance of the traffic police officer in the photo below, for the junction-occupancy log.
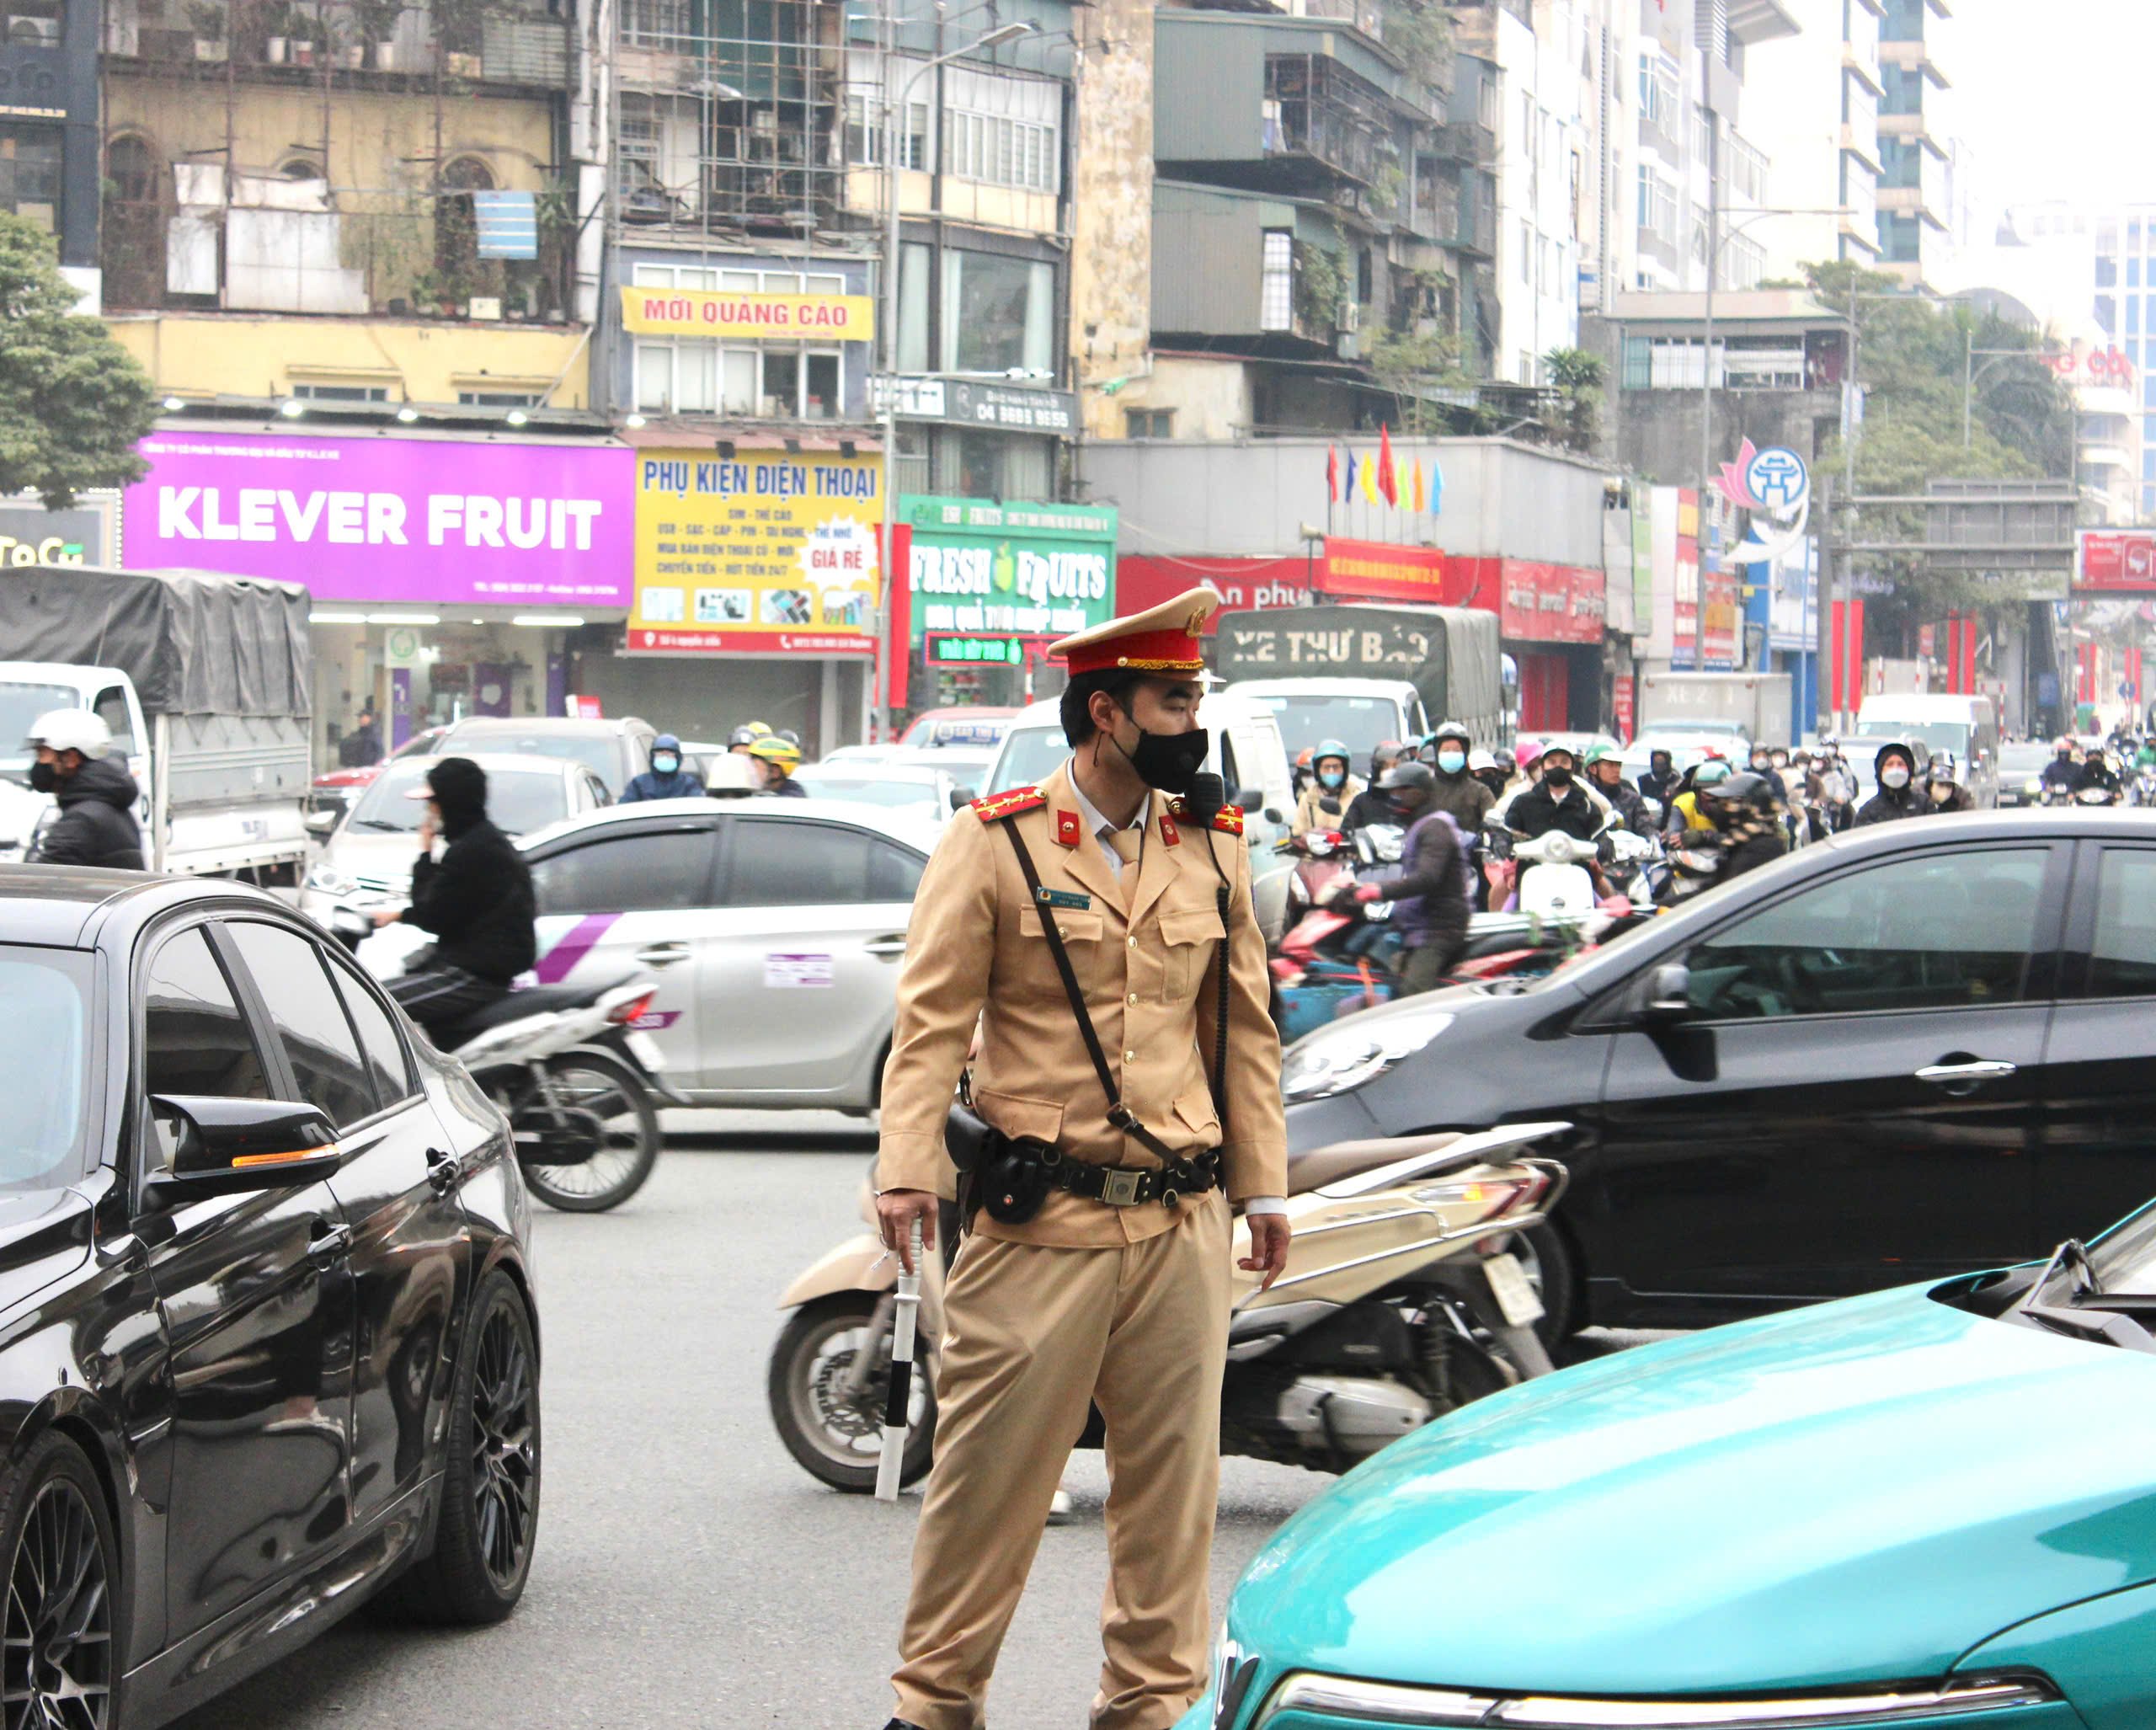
(1088, 1301)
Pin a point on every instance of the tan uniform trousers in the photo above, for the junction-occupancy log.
(1032, 1334)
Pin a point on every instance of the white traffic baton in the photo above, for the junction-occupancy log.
(897, 1407)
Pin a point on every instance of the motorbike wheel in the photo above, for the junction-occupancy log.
(836, 1438)
(1546, 1259)
(602, 1085)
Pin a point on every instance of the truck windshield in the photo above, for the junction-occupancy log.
(21, 705)
(1359, 723)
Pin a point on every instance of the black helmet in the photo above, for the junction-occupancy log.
(1454, 731)
(1385, 752)
(1742, 788)
(1401, 777)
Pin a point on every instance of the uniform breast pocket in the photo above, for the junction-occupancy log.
(1189, 938)
(1081, 938)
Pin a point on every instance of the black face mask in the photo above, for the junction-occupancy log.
(43, 777)
(1404, 812)
(1559, 778)
(1168, 760)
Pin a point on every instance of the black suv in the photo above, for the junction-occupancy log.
(1918, 1050)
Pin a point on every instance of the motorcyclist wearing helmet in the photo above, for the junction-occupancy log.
(2063, 769)
(665, 779)
(1683, 816)
(1899, 794)
(1947, 794)
(775, 761)
(2144, 755)
(1763, 766)
(1486, 768)
(1332, 788)
(1370, 805)
(1605, 774)
(1429, 891)
(1659, 783)
(1744, 832)
(94, 790)
(2096, 771)
(1556, 801)
(743, 738)
(1455, 791)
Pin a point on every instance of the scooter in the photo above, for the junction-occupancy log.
(1336, 956)
(579, 1085)
(1402, 1299)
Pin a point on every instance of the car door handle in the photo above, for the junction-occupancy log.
(443, 1170)
(327, 1243)
(1966, 1075)
(663, 954)
(885, 946)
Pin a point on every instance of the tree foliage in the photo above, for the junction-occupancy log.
(73, 403)
(1911, 354)
(1579, 374)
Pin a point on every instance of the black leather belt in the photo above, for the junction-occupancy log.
(1132, 1186)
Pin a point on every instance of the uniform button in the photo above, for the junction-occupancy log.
(1134, 942)
(1130, 1057)
(1133, 997)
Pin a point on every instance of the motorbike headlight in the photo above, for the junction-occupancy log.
(330, 881)
(2033, 786)
(1336, 1059)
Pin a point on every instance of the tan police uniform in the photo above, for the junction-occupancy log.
(1086, 1302)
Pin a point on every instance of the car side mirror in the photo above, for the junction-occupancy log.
(1273, 814)
(320, 823)
(961, 797)
(1668, 994)
(222, 1146)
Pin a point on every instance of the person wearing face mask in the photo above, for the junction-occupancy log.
(775, 761)
(1429, 889)
(1324, 802)
(1605, 774)
(1899, 795)
(2063, 769)
(1486, 768)
(2096, 772)
(1659, 783)
(665, 779)
(476, 901)
(1763, 766)
(1558, 800)
(1453, 789)
(1369, 805)
(95, 793)
(1099, 1276)
(1947, 796)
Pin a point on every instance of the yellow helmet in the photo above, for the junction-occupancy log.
(774, 749)
(759, 729)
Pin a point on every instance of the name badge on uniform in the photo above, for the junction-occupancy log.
(1064, 898)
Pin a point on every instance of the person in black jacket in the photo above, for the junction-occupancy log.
(1900, 793)
(1370, 805)
(1429, 889)
(1659, 782)
(95, 794)
(475, 900)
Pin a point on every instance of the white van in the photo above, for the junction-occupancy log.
(1966, 726)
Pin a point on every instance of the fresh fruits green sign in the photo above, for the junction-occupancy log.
(979, 568)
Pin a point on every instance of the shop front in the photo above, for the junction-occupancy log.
(989, 587)
(757, 580)
(450, 577)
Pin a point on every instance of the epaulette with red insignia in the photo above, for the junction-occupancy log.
(1008, 803)
(1228, 819)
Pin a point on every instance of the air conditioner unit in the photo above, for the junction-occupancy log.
(1349, 317)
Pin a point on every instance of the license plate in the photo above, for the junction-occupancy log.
(645, 1050)
(1514, 1295)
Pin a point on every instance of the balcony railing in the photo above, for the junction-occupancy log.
(364, 42)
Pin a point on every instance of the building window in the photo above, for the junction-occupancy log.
(686, 375)
(1748, 171)
(34, 23)
(865, 121)
(1658, 206)
(1000, 151)
(340, 392)
(1526, 250)
(1161, 423)
(1486, 104)
(30, 175)
(499, 399)
(999, 313)
(1276, 282)
(914, 263)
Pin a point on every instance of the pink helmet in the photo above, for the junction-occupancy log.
(1527, 753)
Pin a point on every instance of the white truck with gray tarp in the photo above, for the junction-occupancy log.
(206, 683)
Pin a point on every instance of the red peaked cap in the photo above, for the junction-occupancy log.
(1164, 639)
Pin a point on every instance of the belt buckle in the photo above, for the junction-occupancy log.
(1119, 1187)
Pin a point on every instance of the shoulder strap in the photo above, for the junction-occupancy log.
(1119, 1114)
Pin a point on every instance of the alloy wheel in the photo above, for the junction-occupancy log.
(846, 1427)
(58, 1650)
(504, 1452)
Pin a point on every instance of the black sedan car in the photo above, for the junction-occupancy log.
(267, 1339)
(1918, 1050)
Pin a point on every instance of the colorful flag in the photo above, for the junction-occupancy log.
(1436, 487)
(1387, 482)
(1370, 480)
(1350, 492)
(1421, 499)
(1331, 475)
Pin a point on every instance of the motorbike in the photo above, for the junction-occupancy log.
(1405, 1297)
(1337, 956)
(580, 1087)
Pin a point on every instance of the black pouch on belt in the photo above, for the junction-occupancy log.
(1013, 1181)
(968, 1138)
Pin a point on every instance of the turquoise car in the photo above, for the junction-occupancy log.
(1930, 1506)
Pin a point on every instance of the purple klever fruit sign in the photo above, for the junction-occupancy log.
(387, 518)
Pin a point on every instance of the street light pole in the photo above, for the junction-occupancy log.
(893, 111)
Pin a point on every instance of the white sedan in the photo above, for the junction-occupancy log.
(931, 794)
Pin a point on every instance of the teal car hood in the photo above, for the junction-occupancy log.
(1863, 1491)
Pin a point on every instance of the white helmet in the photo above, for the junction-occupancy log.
(71, 729)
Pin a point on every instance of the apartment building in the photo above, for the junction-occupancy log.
(1914, 152)
(1812, 108)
